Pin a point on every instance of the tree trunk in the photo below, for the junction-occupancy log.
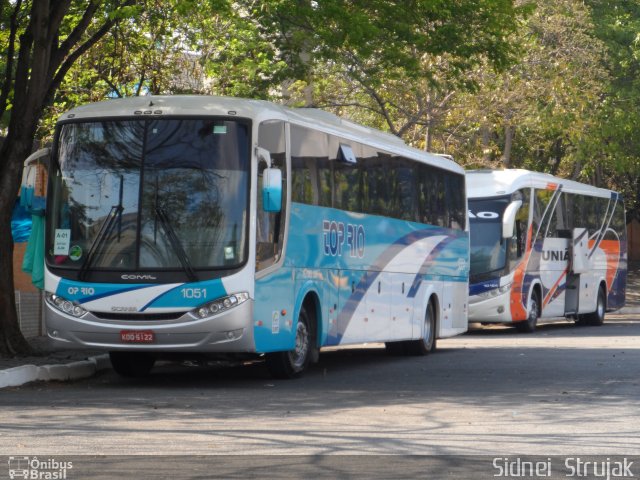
(557, 156)
(428, 136)
(42, 62)
(14, 150)
(486, 150)
(508, 144)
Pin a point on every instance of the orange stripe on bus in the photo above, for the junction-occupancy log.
(518, 309)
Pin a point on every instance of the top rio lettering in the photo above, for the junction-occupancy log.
(336, 235)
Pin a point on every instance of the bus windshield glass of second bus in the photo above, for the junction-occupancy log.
(488, 247)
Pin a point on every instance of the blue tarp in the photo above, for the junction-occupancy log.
(20, 223)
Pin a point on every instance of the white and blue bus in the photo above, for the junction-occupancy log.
(191, 225)
(543, 247)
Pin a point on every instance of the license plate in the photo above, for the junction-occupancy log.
(137, 336)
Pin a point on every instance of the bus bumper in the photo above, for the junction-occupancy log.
(228, 332)
(490, 310)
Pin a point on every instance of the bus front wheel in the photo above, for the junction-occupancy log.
(132, 364)
(529, 325)
(292, 364)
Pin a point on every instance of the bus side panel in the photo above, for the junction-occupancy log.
(554, 267)
(360, 255)
(274, 319)
(615, 263)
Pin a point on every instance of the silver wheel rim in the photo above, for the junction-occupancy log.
(298, 356)
(533, 311)
(427, 328)
(600, 306)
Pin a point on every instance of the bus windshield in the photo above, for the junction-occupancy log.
(150, 194)
(488, 252)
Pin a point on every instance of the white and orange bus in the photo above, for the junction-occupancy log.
(543, 247)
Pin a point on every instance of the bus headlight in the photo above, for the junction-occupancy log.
(219, 305)
(64, 305)
(493, 293)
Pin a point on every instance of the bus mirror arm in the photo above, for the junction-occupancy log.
(263, 155)
(509, 218)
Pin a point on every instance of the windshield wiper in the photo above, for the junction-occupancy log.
(176, 244)
(103, 233)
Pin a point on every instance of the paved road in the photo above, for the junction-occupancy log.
(564, 390)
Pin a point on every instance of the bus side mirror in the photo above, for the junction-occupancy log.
(272, 190)
(271, 183)
(509, 218)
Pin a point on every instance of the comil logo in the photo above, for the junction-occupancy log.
(34, 468)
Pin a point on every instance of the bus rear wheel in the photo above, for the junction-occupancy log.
(529, 325)
(132, 364)
(596, 318)
(292, 364)
(427, 343)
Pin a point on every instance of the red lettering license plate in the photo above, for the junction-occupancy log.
(137, 336)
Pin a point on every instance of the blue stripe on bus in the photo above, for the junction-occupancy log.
(369, 277)
(481, 287)
(74, 291)
(211, 289)
(428, 264)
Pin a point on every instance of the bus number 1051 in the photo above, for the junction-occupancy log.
(197, 293)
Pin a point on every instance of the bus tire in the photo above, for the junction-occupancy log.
(427, 343)
(292, 363)
(529, 325)
(132, 364)
(596, 318)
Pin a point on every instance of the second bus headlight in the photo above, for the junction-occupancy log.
(494, 292)
(220, 305)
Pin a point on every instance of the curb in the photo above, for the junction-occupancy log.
(17, 376)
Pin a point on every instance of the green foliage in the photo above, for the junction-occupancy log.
(617, 140)
(547, 85)
(540, 112)
(379, 40)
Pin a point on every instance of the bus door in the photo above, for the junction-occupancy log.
(554, 261)
(579, 260)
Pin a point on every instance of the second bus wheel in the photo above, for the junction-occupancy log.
(596, 318)
(292, 363)
(427, 343)
(529, 325)
(132, 364)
